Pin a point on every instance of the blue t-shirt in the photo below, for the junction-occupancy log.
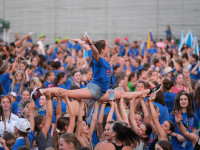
(133, 52)
(164, 114)
(151, 51)
(46, 84)
(6, 82)
(16, 108)
(70, 82)
(136, 69)
(21, 141)
(39, 71)
(169, 100)
(101, 73)
(190, 123)
(63, 106)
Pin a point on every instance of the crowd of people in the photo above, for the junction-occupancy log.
(78, 94)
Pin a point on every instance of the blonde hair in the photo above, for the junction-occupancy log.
(36, 81)
(21, 82)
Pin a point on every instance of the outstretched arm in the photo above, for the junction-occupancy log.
(154, 115)
(17, 43)
(123, 111)
(80, 42)
(94, 119)
(72, 114)
(49, 114)
(93, 48)
(100, 122)
(125, 85)
(32, 109)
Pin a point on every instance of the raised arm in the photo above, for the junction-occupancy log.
(100, 122)
(32, 110)
(80, 118)
(80, 42)
(123, 111)
(94, 119)
(191, 136)
(93, 48)
(119, 118)
(17, 43)
(110, 114)
(72, 114)
(194, 70)
(133, 104)
(145, 112)
(155, 118)
(58, 108)
(49, 114)
(125, 85)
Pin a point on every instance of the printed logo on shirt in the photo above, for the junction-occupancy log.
(108, 73)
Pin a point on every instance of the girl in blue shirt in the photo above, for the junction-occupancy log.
(97, 89)
(49, 77)
(184, 103)
(18, 83)
(60, 80)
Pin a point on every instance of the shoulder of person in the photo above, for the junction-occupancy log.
(127, 148)
(107, 146)
(13, 116)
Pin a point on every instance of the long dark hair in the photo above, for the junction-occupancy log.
(197, 98)
(190, 109)
(160, 98)
(59, 76)
(167, 85)
(71, 138)
(166, 145)
(125, 134)
(101, 44)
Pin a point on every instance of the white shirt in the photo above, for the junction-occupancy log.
(41, 47)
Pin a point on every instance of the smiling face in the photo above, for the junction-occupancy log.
(19, 77)
(26, 109)
(142, 130)
(25, 96)
(184, 101)
(77, 77)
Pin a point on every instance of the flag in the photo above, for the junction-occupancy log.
(189, 39)
(150, 38)
(180, 42)
(196, 47)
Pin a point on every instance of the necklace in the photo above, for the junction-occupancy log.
(87, 142)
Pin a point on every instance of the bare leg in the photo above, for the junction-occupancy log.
(75, 94)
(125, 95)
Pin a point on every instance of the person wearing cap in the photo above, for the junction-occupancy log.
(41, 44)
(13, 97)
(24, 130)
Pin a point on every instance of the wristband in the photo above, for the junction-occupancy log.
(90, 44)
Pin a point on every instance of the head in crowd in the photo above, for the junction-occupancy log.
(122, 133)
(35, 82)
(163, 145)
(5, 103)
(184, 102)
(60, 78)
(49, 76)
(35, 61)
(26, 94)
(69, 141)
(76, 75)
(4, 68)
(22, 129)
(23, 65)
(10, 140)
(13, 97)
(19, 78)
(141, 85)
(107, 136)
(102, 47)
(179, 79)
(168, 85)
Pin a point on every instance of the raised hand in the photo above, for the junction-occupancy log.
(128, 72)
(178, 116)
(86, 40)
(76, 40)
(48, 95)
